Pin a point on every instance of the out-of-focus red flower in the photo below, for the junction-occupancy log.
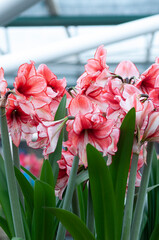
(3, 83)
(32, 163)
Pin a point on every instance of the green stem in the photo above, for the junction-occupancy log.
(75, 203)
(16, 162)
(130, 199)
(90, 212)
(10, 176)
(68, 196)
(142, 194)
(15, 156)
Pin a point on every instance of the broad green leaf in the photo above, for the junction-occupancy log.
(28, 172)
(73, 224)
(27, 222)
(43, 221)
(56, 155)
(26, 188)
(153, 196)
(4, 197)
(102, 194)
(5, 227)
(120, 166)
(155, 233)
(46, 173)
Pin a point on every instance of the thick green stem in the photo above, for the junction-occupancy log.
(11, 180)
(15, 156)
(68, 196)
(142, 194)
(16, 162)
(130, 199)
(90, 212)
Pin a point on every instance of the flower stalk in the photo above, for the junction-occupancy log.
(68, 196)
(130, 199)
(142, 194)
(10, 176)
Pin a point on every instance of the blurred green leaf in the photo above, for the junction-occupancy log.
(82, 176)
(43, 221)
(17, 238)
(5, 227)
(149, 189)
(102, 194)
(28, 172)
(47, 174)
(73, 224)
(155, 233)
(82, 198)
(26, 188)
(120, 166)
(4, 197)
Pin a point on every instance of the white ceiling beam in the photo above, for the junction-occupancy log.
(60, 50)
(9, 9)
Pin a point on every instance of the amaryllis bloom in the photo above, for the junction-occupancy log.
(31, 85)
(21, 118)
(97, 65)
(149, 79)
(154, 96)
(55, 87)
(127, 70)
(151, 132)
(92, 82)
(31, 163)
(3, 83)
(48, 134)
(90, 126)
(118, 86)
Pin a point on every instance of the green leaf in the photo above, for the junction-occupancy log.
(26, 188)
(155, 233)
(43, 221)
(4, 197)
(149, 189)
(5, 227)
(28, 172)
(120, 166)
(17, 238)
(46, 173)
(56, 155)
(28, 193)
(102, 194)
(82, 197)
(153, 196)
(82, 176)
(73, 224)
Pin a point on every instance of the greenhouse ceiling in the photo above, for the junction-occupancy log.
(64, 34)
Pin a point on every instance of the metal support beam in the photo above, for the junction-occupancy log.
(60, 50)
(10, 9)
(73, 20)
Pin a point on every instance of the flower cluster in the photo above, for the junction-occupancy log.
(96, 107)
